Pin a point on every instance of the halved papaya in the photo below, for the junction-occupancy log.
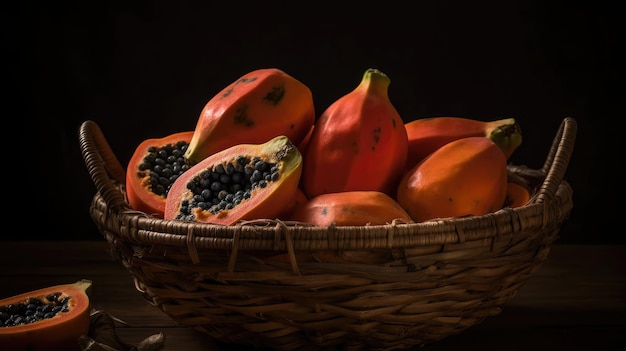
(243, 182)
(153, 168)
(48, 319)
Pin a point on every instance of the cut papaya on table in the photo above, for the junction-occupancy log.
(48, 319)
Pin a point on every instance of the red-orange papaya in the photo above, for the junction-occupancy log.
(359, 142)
(428, 134)
(255, 108)
(48, 319)
(153, 168)
(350, 208)
(465, 177)
(298, 200)
(242, 182)
(517, 195)
(304, 143)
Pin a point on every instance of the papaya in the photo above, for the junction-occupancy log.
(517, 195)
(49, 319)
(152, 169)
(304, 143)
(359, 142)
(350, 208)
(253, 109)
(242, 182)
(296, 201)
(465, 177)
(428, 134)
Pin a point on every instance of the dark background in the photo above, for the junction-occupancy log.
(144, 69)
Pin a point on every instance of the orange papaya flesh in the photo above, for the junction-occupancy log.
(465, 177)
(426, 135)
(350, 208)
(361, 137)
(50, 319)
(243, 182)
(153, 168)
(256, 107)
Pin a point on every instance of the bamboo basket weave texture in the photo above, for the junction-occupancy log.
(282, 286)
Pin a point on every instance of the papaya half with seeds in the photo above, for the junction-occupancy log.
(428, 134)
(465, 177)
(153, 168)
(350, 208)
(258, 106)
(359, 142)
(48, 319)
(242, 182)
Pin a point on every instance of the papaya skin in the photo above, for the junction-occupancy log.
(359, 142)
(350, 208)
(465, 177)
(517, 195)
(428, 134)
(264, 202)
(59, 333)
(296, 201)
(304, 143)
(255, 108)
(138, 191)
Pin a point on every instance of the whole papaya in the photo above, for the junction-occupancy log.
(255, 108)
(428, 134)
(298, 200)
(350, 208)
(359, 142)
(242, 182)
(465, 177)
(517, 195)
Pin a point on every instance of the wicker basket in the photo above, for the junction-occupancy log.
(283, 286)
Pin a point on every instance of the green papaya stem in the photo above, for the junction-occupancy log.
(507, 134)
(375, 81)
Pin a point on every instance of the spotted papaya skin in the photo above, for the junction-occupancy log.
(465, 177)
(255, 108)
(359, 142)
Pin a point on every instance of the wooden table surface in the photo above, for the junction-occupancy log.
(576, 301)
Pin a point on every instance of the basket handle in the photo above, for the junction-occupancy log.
(102, 164)
(557, 160)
